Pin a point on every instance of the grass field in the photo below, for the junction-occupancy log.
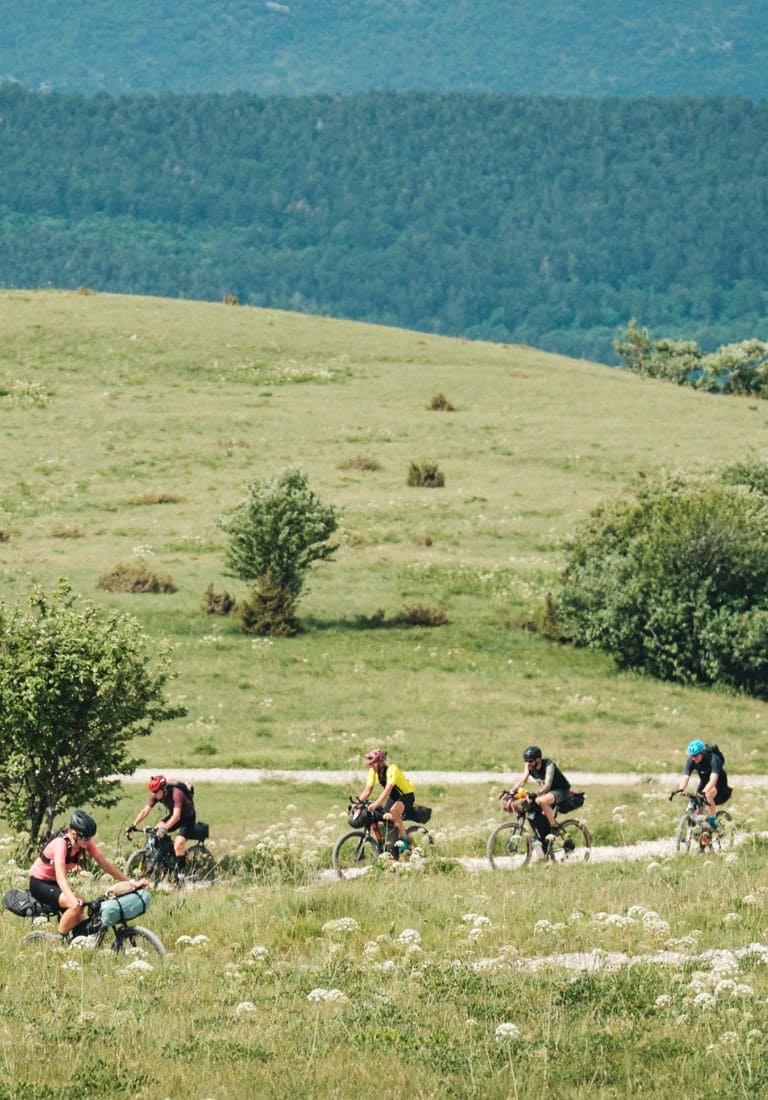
(129, 425)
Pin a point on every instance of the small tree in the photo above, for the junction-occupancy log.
(276, 533)
(673, 579)
(76, 686)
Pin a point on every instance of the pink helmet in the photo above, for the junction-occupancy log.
(375, 757)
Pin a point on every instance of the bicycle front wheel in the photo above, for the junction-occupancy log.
(508, 846)
(200, 866)
(138, 938)
(353, 854)
(571, 843)
(684, 834)
(143, 864)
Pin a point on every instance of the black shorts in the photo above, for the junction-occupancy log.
(722, 793)
(186, 827)
(561, 794)
(406, 799)
(46, 892)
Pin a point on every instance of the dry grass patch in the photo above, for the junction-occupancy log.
(135, 578)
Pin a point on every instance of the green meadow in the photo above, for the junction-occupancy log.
(128, 426)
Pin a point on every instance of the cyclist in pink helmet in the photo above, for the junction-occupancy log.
(398, 793)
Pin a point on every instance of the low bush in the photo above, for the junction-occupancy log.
(156, 498)
(425, 475)
(359, 462)
(438, 402)
(217, 603)
(420, 615)
(135, 578)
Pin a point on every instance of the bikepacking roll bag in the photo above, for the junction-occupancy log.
(125, 907)
(420, 814)
(574, 801)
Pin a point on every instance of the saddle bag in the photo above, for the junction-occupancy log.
(125, 907)
(22, 904)
(420, 814)
(574, 801)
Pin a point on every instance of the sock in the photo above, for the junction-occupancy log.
(713, 821)
(181, 863)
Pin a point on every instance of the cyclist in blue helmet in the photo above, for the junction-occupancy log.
(709, 764)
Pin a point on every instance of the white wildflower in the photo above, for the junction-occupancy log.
(409, 935)
(245, 1008)
(507, 1032)
(342, 925)
(731, 918)
(326, 995)
(663, 1000)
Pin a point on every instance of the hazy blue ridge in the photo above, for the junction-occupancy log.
(298, 47)
(534, 220)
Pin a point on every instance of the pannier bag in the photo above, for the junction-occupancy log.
(574, 801)
(199, 831)
(23, 904)
(420, 814)
(124, 908)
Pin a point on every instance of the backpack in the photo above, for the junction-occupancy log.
(186, 789)
(73, 855)
(714, 748)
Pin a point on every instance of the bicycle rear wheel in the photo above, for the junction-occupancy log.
(422, 841)
(200, 866)
(722, 837)
(508, 846)
(571, 843)
(134, 936)
(39, 937)
(353, 854)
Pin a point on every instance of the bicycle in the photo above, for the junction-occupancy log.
(694, 830)
(513, 843)
(101, 917)
(374, 835)
(156, 861)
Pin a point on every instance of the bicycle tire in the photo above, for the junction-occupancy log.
(141, 864)
(508, 846)
(353, 853)
(683, 834)
(39, 936)
(134, 935)
(200, 866)
(722, 838)
(422, 840)
(571, 843)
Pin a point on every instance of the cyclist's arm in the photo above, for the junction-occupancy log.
(382, 797)
(142, 814)
(549, 776)
(107, 865)
(682, 784)
(521, 782)
(714, 775)
(60, 868)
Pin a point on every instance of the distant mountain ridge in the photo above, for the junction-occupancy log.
(299, 47)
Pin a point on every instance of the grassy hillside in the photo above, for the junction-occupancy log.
(111, 404)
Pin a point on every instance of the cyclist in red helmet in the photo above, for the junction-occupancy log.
(397, 796)
(178, 800)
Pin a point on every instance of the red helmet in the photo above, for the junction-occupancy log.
(375, 757)
(156, 783)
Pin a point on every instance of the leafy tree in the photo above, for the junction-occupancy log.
(276, 533)
(672, 578)
(76, 686)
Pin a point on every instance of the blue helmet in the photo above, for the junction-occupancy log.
(695, 747)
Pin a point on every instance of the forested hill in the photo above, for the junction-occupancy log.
(534, 220)
(296, 47)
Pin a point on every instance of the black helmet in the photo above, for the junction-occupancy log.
(533, 752)
(83, 824)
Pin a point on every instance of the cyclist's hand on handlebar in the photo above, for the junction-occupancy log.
(673, 793)
(130, 829)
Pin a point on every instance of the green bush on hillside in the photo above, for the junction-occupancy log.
(425, 475)
(671, 577)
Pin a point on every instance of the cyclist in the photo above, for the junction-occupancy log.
(554, 789)
(708, 763)
(398, 794)
(48, 881)
(178, 800)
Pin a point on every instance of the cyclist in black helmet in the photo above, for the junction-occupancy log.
(554, 788)
(48, 880)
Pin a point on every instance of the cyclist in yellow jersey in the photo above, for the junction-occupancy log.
(397, 796)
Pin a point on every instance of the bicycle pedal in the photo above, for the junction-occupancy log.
(569, 846)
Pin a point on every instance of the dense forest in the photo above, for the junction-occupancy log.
(299, 47)
(536, 220)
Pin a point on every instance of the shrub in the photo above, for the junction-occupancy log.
(672, 578)
(270, 610)
(425, 475)
(419, 615)
(4, 535)
(438, 402)
(217, 603)
(230, 300)
(135, 578)
(359, 462)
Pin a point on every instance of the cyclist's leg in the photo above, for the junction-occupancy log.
(184, 830)
(546, 803)
(49, 893)
(395, 807)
